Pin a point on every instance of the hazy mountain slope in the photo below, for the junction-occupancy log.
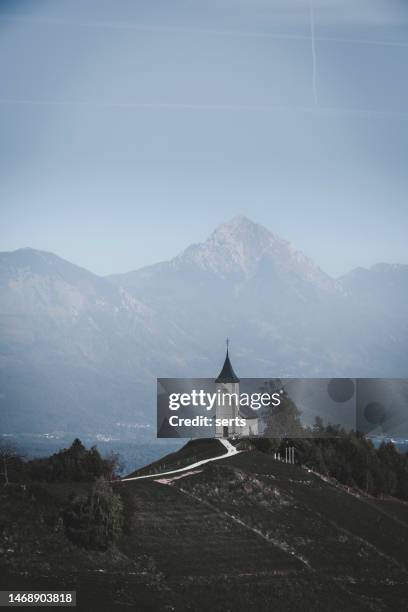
(383, 288)
(81, 353)
(236, 251)
(73, 347)
(380, 293)
(284, 314)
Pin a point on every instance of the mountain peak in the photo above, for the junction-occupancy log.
(239, 222)
(240, 227)
(241, 248)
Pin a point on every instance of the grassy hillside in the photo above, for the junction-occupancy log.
(264, 533)
(246, 533)
(195, 450)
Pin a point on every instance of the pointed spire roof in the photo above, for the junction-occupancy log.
(227, 374)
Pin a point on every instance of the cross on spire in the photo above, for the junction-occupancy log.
(227, 374)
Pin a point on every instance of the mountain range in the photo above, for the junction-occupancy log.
(80, 352)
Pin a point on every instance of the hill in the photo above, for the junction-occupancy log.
(245, 532)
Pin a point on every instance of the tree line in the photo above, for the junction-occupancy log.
(93, 515)
(349, 457)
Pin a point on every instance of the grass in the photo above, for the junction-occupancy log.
(189, 538)
(246, 533)
(194, 450)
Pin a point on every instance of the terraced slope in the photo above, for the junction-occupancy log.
(250, 533)
(244, 533)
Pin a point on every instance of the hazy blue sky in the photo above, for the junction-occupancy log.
(129, 129)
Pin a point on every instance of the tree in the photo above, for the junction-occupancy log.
(95, 521)
(283, 421)
(114, 465)
(9, 457)
(76, 464)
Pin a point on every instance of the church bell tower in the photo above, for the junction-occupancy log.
(227, 406)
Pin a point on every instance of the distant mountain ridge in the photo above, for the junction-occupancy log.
(79, 352)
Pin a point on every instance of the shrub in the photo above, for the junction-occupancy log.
(95, 521)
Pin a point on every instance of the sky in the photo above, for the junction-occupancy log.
(130, 129)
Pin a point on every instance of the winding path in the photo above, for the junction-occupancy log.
(231, 450)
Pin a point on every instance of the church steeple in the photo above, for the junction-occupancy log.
(227, 374)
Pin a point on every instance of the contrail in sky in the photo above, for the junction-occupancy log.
(30, 19)
(313, 110)
(314, 63)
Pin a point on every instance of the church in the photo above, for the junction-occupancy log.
(228, 405)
